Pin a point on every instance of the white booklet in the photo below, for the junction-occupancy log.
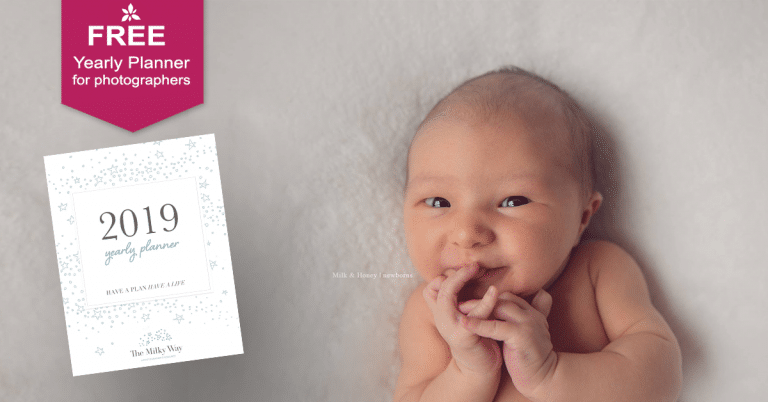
(143, 255)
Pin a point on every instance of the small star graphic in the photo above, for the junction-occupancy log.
(62, 207)
(213, 264)
(71, 219)
(77, 180)
(204, 184)
(100, 351)
(99, 179)
(64, 265)
(224, 292)
(145, 317)
(179, 318)
(206, 198)
(80, 309)
(191, 144)
(159, 154)
(66, 300)
(76, 256)
(209, 243)
(97, 316)
(112, 169)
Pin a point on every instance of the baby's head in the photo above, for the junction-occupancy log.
(500, 175)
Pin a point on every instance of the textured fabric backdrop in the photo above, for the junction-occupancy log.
(313, 105)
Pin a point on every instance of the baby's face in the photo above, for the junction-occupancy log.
(495, 195)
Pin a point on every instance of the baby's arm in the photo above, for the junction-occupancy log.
(430, 371)
(642, 361)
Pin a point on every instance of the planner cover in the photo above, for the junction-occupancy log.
(143, 255)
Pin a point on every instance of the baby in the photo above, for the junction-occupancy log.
(500, 187)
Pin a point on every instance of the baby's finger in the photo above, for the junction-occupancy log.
(450, 287)
(493, 329)
(507, 296)
(508, 310)
(542, 302)
(467, 306)
(434, 284)
(486, 305)
(432, 289)
(519, 301)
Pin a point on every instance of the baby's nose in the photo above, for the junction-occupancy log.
(471, 232)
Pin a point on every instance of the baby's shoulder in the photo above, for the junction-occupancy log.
(416, 309)
(598, 257)
(421, 346)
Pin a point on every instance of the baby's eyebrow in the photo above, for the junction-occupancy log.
(521, 176)
(427, 179)
(430, 180)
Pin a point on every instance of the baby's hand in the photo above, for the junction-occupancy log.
(470, 351)
(524, 330)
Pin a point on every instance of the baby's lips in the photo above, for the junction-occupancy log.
(449, 272)
(480, 272)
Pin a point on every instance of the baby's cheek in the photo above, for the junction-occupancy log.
(424, 259)
(425, 266)
(451, 257)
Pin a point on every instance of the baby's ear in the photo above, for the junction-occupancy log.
(589, 210)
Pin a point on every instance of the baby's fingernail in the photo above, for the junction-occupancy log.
(507, 296)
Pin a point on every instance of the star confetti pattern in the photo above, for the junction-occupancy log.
(150, 338)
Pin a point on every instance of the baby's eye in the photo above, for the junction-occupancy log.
(514, 201)
(437, 202)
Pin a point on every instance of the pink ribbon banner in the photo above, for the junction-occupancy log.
(132, 63)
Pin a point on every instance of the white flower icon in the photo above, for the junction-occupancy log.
(130, 13)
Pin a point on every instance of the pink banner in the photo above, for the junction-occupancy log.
(131, 63)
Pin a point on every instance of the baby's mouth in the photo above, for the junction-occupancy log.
(483, 274)
(476, 287)
(486, 274)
